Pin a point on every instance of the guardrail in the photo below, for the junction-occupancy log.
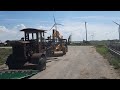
(114, 51)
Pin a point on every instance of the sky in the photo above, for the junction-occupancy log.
(99, 24)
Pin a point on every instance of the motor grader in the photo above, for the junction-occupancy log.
(29, 52)
(56, 43)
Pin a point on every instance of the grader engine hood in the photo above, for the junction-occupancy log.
(19, 48)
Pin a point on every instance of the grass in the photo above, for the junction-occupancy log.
(102, 50)
(4, 53)
(113, 59)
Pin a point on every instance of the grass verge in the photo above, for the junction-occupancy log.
(113, 59)
(4, 52)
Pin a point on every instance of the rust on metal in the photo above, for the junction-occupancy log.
(28, 51)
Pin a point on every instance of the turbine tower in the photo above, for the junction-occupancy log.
(86, 30)
(118, 29)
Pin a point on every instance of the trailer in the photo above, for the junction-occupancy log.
(17, 74)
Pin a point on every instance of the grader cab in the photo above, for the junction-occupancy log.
(29, 52)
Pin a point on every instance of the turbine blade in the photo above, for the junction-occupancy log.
(59, 24)
(116, 23)
(54, 19)
(52, 27)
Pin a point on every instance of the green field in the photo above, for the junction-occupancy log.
(113, 60)
(102, 50)
(4, 52)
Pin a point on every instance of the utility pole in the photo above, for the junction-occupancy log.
(86, 30)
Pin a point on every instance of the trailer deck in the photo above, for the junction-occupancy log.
(17, 74)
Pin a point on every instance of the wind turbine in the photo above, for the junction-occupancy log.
(118, 29)
(55, 24)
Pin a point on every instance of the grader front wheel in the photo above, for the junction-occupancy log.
(64, 51)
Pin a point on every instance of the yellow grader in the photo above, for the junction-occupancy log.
(57, 43)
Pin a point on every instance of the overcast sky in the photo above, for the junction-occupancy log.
(99, 23)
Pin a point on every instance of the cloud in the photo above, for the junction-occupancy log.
(11, 34)
(3, 29)
(19, 27)
(101, 31)
(98, 17)
(44, 27)
(23, 20)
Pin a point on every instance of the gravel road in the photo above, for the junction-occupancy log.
(6, 47)
(80, 62)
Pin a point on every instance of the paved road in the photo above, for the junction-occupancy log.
(81, 62)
